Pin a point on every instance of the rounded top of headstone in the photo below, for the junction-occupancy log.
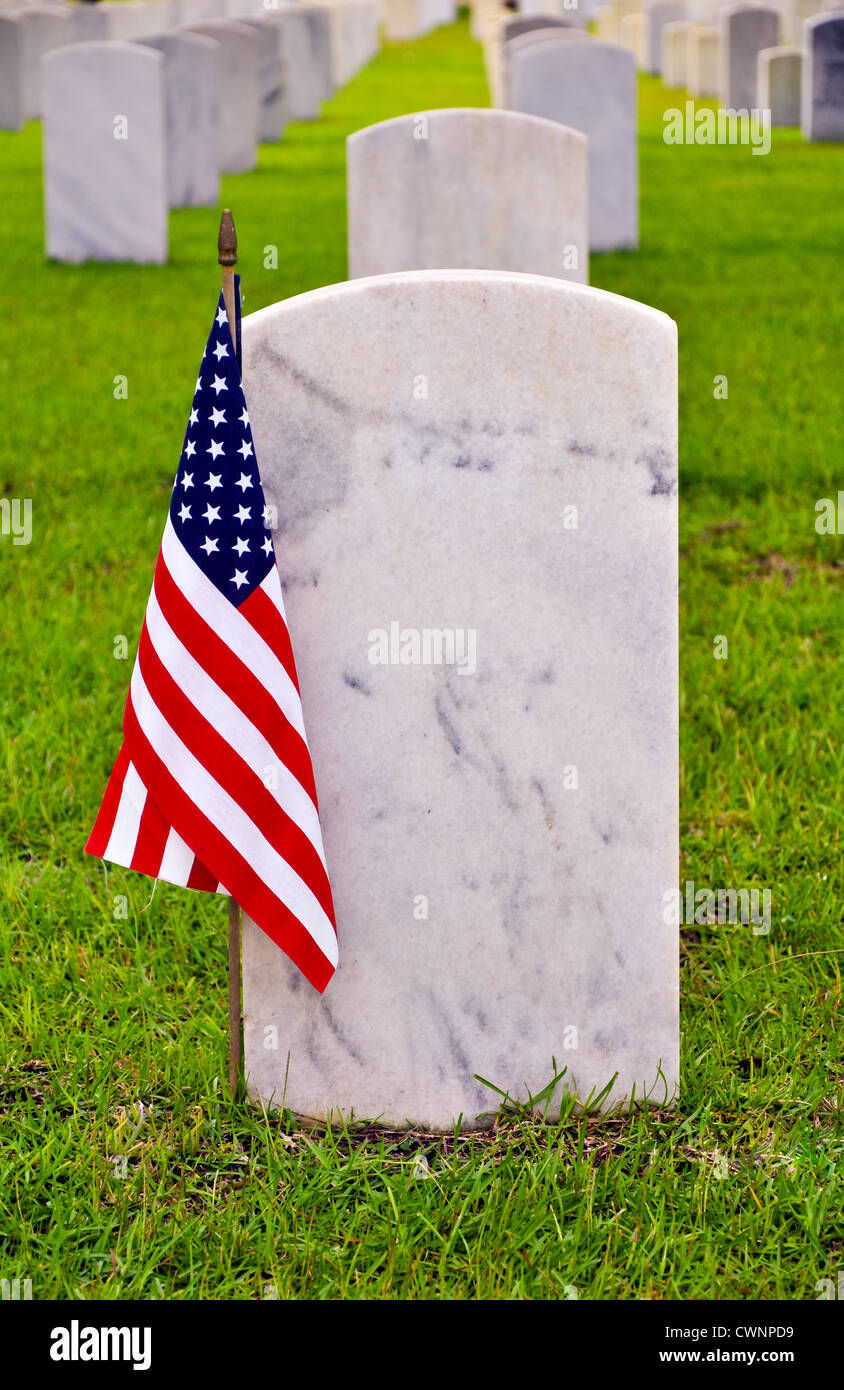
(466, 291)
(103, 51)
(536, 38)
(831, 17)
(524, 24)
(477, 119)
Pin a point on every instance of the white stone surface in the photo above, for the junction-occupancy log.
(656, 16)
(306, 47)
(12, 92)
(631, 35)
(272, 70)
(822, 88)
(794, 17)
(499, 56)
(779, 84)
(745, 31)
(543, 904)
(703, 62)
(92, 23)
(607, 23)
(590, 86)
(105, 199)
(675, 42)
(192, 76)
(45, 27)
(408, 19)
(468, 188)
(239, 94)
(354, 36)
(518, 24)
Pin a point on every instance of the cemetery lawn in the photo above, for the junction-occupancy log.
(114, 1029)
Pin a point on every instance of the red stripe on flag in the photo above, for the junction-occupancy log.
(233, 773)
(232, 676)
(152, 837)
(104, 824)
(201, 878)
(256, 899)
(260, 611)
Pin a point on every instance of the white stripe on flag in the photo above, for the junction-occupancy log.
(176, 861)
(233, 725)
(222, 810)
(238, 634)
(124, 831)
(271, 585)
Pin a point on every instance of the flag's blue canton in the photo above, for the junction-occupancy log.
(218, 509)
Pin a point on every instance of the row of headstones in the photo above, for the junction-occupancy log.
(132, 129)
(29, 31)
(636, 23)
(546, 65)
(739, 56)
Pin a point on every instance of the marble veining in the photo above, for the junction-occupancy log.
(499, 839)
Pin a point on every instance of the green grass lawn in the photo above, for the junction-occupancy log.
(114, 1029)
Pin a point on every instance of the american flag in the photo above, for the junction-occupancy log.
(214, 787)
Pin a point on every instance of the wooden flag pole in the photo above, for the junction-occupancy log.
(227, 256)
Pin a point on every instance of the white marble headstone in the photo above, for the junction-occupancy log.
(105, 168)
(779, 84)
(45, 27)
(12, 93)
(468, 188)
(674, 49)
(306, 45)
(745, 31)
(657, 15)
(408, 19)
(703, 65)
(500, 55)
(489, 459)
(192, 74)
(93, 23)
(822, 94)
(272, 76)
(631, 35)
(590, 86)
(239, 94)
